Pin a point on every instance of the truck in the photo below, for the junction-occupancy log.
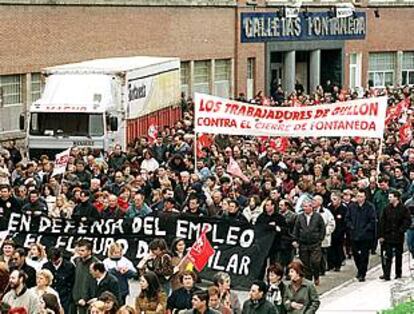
(103, 102)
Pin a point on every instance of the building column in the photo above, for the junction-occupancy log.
(315, 69)
(289, 70)
(191, 83)
(398, 69)
(212, 77)
(232, 78)
(28, 93)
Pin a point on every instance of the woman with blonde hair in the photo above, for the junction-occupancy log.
(37, 256)
(97, 307)
(63, 209)
(121, 267)
(44, 279)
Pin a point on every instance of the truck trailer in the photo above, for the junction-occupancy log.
(103, 102)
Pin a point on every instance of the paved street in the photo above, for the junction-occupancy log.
(332, 286)
(356, 297)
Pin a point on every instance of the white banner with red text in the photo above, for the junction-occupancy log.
(362, 117)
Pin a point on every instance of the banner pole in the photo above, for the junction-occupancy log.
(379, 156)
(195, 152)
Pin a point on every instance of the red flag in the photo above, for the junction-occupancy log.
(405, 133)
(358, 140)
(280, 144)
(395, 112)
(152, 133)
(204, 140)
(234, 169)
(152, 130)
(200, 252)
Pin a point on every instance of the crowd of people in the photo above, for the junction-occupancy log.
(325, 199)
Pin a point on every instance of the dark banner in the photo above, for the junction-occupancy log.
(269, 26)
(240, 250)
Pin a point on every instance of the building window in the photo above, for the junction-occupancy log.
(11, 89)
(251, 65)
(408, 68)
(36, 86)
(381, 69)
(222, 78)
(185, 78)
(202, 75)
(355, 70)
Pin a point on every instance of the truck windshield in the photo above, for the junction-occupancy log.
(67, 124)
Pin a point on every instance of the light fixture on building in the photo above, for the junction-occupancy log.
(377, 13)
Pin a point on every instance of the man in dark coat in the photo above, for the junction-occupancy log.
(308, 234)
(105, 281)
(35, 205)
(272, 221)
(180, 299)
(360, 221)
(336, 250)
(85, 211)
(85, 285)
(234, 215)
(18, 262)
(393, 223)
(117, 158)
(63, 277)
(257, 303)
(8, 203)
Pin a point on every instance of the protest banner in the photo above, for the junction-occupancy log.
(239, 249)
(362, 117)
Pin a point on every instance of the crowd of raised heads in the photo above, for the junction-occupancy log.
(308, 192)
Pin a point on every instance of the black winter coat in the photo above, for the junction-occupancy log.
(63, 279)
(393, 223)
(339, 214)
(108, 283)
(261, 307)
(312, 234)
(11, 205)
(85, 209)
(360, 221)
(270, 224)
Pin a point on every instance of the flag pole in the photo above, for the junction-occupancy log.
(379, 156)
(195, 152)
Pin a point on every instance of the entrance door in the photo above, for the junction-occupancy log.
(331, 66)
(276, 71)
(302, 69)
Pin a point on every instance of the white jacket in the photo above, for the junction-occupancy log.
(329, 220)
